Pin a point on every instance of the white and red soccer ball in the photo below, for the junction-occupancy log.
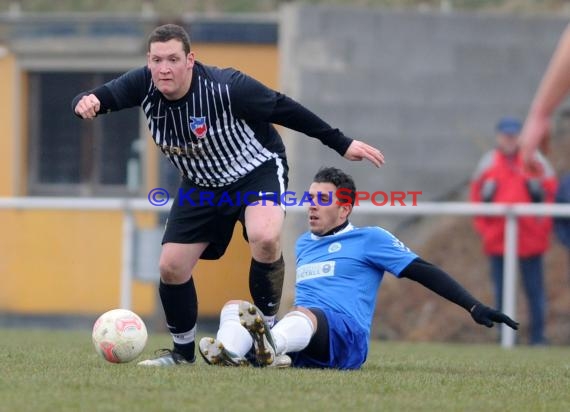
(119, 335)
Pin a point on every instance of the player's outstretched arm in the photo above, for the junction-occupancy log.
(553, 88)
(359, 150)
(293, 115)
(444, 285)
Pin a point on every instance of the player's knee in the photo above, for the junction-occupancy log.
(232, 302)
(266, 236)
(265, 244)
(305, 316)
(172, 273)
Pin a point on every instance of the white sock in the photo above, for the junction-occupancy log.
(232, 334)
(270, 320)
(292, 333)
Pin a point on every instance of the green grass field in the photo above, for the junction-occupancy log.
(46, 370)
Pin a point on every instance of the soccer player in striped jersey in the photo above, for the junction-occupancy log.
(215, 127)
(339, 270)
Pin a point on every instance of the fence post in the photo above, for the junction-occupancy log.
(127, 257)
(509, 276)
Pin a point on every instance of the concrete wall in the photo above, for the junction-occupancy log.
(426, 88)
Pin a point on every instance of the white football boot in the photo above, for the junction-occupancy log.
(252, 319)
(167, 357)
(214, 353)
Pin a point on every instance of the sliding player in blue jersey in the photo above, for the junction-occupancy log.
(339, 270)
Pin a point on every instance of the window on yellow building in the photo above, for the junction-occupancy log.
(70, 156)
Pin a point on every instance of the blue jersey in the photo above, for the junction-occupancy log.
(342, 272)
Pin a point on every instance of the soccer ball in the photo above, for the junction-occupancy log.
(119, 335)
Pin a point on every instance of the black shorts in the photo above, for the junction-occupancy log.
(200, 214)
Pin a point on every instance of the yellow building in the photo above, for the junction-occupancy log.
(66, 262)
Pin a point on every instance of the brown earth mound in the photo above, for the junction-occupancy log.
(408, 311)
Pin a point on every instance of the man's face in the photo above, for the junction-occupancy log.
(171, 68)
(507, 143)
(326, 213)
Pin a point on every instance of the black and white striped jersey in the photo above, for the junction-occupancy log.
(222, 128)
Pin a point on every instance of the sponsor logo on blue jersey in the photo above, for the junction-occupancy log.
(315, 270)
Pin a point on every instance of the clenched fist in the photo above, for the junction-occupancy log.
(88, 106)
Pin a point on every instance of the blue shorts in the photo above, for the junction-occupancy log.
(348, 345)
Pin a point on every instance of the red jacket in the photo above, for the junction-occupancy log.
(511, 186)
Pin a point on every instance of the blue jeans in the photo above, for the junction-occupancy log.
(531, 269)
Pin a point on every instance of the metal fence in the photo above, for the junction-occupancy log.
(129, 206)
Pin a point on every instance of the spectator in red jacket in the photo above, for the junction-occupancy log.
(500, 178)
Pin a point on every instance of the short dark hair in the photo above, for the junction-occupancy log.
(168, 32)
(338, 178)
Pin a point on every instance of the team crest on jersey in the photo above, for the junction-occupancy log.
(198, 126)
(334, 247)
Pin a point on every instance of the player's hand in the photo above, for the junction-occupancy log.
(536, 128)
(88, 106)
(359, 150)
(484, 315)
